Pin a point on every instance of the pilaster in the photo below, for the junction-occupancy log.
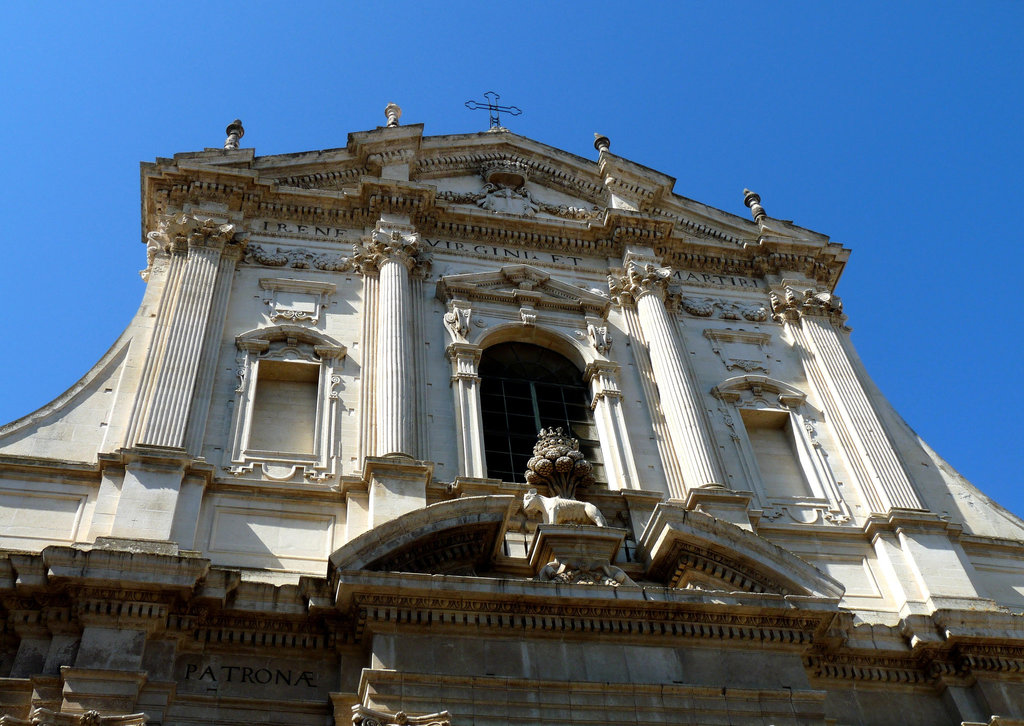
(817, 322)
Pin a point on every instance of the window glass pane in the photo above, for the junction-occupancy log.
(523, 388)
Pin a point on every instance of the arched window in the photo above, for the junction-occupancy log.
(524, 388)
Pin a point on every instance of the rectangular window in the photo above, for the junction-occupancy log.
(774, 443)
(284, 409)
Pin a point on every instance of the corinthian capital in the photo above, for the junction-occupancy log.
(638, 280)
(791, 303)
(393, 243)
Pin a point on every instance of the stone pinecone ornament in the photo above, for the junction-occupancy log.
(558, 464)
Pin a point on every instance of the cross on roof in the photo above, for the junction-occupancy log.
(493, 108)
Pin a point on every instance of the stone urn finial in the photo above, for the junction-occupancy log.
(235, 131)
(753, 202)
(601, 143)
(393, 112)
(558, 463)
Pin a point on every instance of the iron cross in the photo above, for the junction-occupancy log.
(493, 108)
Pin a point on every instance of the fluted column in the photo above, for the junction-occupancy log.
(394, 251)
(469, 430)
(603, 377)
(680, 400)
(816, 321)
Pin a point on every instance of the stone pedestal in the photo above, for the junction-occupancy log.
(576, 543)
(397, 485)
(721, 503)
(94, 689)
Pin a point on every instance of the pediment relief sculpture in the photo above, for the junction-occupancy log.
(521, 285)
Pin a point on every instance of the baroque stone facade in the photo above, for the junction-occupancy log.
(306, 485)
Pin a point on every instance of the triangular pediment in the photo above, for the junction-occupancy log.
(517, 285)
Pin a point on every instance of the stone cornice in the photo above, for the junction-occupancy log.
(684, 234)
(382, 600)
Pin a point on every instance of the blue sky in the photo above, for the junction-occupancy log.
(895, 128)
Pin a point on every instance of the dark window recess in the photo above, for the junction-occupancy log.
(525, 388)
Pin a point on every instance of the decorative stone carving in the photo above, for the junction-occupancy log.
(394, 243)
(296, 301)
(363, 716)
(559, 510)
(599, 338)
(46, 717)
(701, 307)
(791, 303)
(740, 349)
(558, 463)
(639, 279)
(604, 574)
(727, 309)
(457, 320)
(298, 258)
(176, 234)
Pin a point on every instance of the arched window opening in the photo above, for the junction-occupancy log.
(525, 388)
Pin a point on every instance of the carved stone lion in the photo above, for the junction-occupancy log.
(559, 510)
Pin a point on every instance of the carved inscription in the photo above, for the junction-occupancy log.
(257, 676)
(505, 253)
(704, 278)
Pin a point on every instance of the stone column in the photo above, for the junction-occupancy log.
(465, 359)
(816, 321)
(394, 250)
(646, 286)
(603, 377)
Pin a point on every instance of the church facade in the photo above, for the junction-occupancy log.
(470, 430)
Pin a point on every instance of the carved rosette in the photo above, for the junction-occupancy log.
(559, 464)
(638, 280)
(790, 304)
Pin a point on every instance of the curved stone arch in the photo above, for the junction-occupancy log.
(541, 335)
(683, 547)
(437, 539)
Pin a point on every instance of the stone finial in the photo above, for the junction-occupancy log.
(234, 132)
(753, 202)
(394, 112)
(602, 143)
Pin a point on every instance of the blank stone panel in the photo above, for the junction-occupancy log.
(42, 516)
(771, 437)
(284, 412)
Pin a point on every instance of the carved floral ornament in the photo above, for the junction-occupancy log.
(790, 303)
(639, 279)
(505, 191)
(176, 234)
(387, 243)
